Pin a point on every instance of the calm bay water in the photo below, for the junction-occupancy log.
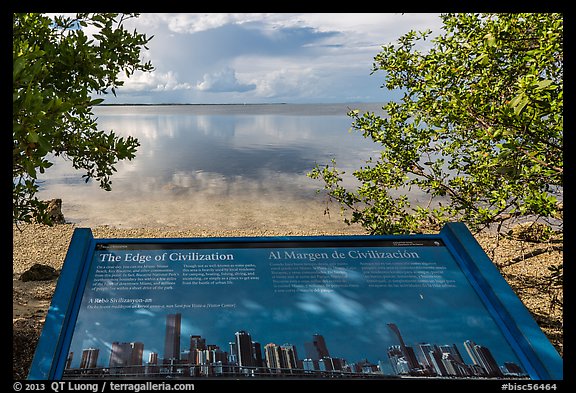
(234, 166)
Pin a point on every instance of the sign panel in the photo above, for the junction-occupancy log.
(357, 307)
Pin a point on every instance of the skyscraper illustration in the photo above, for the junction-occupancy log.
(257, 351)
(408, 352)
(483, 357)
(197, 343)
(272, 356)
(69, 359)
(317, 348)
(320, 344)
(89, 358)
(247, 357)
(172, 338)
(124, 355)
(153, 358)
(453, 351)
(244, 349)
(288, 356)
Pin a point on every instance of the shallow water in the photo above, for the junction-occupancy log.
(232, 166)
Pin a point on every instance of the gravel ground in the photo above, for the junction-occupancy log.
(529, 277)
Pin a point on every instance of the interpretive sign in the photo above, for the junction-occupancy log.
(321, 307)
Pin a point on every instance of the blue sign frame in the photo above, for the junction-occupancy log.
(297, 294)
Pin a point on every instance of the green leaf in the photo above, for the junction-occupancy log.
(544, 83)
(482, 59)
(32, 136)
(519, 102)
(490, 39)
(18, 66)
(96, 101)
(44, 144)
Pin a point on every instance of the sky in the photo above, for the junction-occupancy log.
(220, 58)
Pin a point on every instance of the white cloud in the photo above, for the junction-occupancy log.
(223, 81)
(252, 57)
(154, 81)
(194, 23)
(288, 82)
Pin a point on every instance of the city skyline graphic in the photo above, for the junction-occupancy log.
(350, 313)
(244, 355)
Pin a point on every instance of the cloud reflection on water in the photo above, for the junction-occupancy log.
(190, 156)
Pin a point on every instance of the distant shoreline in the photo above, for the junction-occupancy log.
(243, 104)
(173, 104)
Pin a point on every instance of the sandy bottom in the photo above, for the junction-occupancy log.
(263, 215)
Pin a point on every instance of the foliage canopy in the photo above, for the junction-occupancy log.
(57, 67)
(479, 129)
